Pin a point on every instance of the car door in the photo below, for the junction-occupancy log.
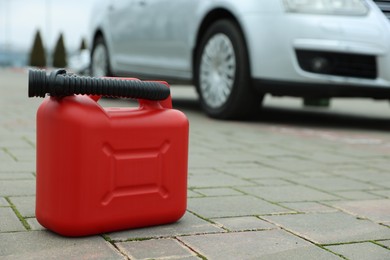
(151, 36)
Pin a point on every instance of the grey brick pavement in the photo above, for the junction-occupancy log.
(256, 190)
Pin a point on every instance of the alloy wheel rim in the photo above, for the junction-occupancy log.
(217, 70)
(99, 59)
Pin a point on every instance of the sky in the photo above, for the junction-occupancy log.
(20, 19)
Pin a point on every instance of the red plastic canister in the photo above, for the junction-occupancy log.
(107, 169)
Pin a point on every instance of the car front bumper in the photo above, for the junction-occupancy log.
(275, 41)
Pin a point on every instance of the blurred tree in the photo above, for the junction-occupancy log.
(59, 55)
(83, 45)
(37, 54)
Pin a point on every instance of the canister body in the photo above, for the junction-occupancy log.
(106, 169)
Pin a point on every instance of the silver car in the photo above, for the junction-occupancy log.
(235, 52)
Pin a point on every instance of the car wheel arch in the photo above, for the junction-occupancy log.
(212, 17)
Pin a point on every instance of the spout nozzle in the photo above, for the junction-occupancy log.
(36, 83)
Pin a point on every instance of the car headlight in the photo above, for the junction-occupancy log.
(334, 7)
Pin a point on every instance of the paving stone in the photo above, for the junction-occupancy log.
(9, 222)
(22, 154)
(8, 140)
(155, 249)
(384, 183)
(5, 157)
(376, 210)
(244, 223)
(203, 171)
(380, 164)
(218, 192)
(316, 173)
(331, 228)
(292, 193)
(307, 207)
(187, 225)
(46, 245)
(258, 172)
(231, 156)
(357, 195)
(17, 187)
(12, 166)
(331, 158)
(193, 194)
(25, 205)
(367, 251)
(34, 224)
(232, 206)
(16, 176)
(362, 153)
(386, 243)
(292, 164)
(3, 202)
(271, 244)
(382, 193)
(216, 180)
(272, 182)
(272, 151)
(203, 161)
(335, 184)
(364, 174)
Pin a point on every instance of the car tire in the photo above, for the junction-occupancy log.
(100, 66)
(222, 73)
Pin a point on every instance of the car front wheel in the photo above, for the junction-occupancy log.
(222, 74)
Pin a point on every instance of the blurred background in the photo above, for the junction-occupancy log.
(21, 20)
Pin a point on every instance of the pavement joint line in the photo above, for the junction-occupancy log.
(140, 239)
(302, 237)
(219, 187)
(378, 244)
(216, 187)
(279, 203)
(17, 213)
(330, 251)
(216, 196)
(379, 195)
(317, 189)
(20, 195)
(190, 248)
(9, 154)
(167, 236)
(253, 180)
(31, 143)
(358, 242)
(208, 220)
(115, 247)
(358, 217)
(279, 169)
(347, 177)
(263, 199)
(20, 179)
(384, 225)
(240, 162)
(202, 234)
